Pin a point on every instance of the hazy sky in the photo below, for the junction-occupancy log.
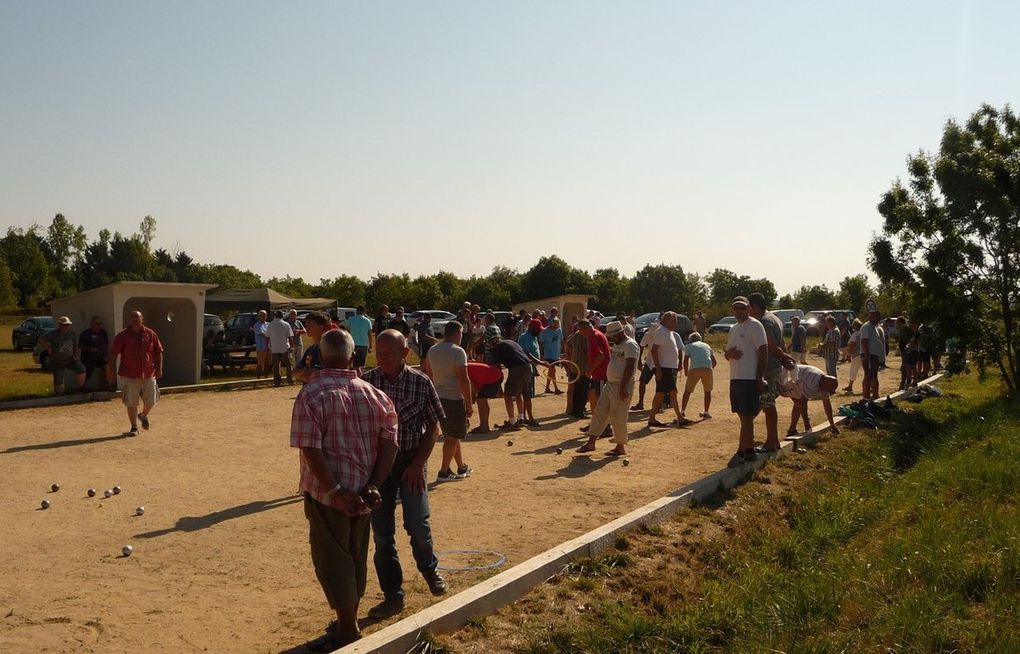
(315, 139)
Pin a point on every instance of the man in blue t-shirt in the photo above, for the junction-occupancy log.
(551, 343)
(360, 327)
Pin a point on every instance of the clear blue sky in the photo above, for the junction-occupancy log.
(315, 139)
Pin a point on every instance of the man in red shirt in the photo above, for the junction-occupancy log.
(141, 365)
(598, 362)
(485, 383)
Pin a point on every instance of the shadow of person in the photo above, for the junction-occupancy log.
(69, 443)
(196, 523)
(579, 466)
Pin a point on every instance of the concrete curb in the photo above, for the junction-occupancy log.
(484, 598)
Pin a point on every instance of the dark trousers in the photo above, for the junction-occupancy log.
(415, 508)
(284, 360)
(580, 392)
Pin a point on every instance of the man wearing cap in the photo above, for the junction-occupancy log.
(141, 366)
(614, 401)
(747, 352)
(61, 344)
(809, 383)
(776, 360)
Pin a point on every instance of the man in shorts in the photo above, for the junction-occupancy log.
(263, 355)
(519, 375)
(446, 363)
(747, 352)
(551, 342)
(141, 366)
(346, 430)
(699, 361)
(485, 384)
(665, 357)
(809, 383)
(777, 358)
(872, 353)
(62, 346)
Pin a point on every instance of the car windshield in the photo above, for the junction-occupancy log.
(646, 319)
(46, 323)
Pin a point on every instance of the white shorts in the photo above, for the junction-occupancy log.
(135, 388)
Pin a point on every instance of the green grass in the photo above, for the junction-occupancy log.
(907, 542)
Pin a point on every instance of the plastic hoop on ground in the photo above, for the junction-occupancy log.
(500, 560)
(563, 371)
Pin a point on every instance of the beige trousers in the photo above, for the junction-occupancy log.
(611, 410)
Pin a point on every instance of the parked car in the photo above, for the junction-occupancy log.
(212, 326)
(723, 326)
(684, 326)
(238, 328)
(26, 335)
(501, 321)
(786, 315)
(439, 319)
(813, 319)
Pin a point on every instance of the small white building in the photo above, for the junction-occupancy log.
(572, 304)
(174, 311)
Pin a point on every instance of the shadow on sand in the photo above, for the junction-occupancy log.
(196, 523)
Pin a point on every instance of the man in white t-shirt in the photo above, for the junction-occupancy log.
(647, 370)
(446, 363)
(614, 400)
(280, 335)
(665, 357)
(872, 353)
(809, 383)
(747, 353)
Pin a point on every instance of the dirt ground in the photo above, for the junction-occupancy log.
(220, 559)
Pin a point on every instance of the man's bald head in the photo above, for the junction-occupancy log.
(392, 337)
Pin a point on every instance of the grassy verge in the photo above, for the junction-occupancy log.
(905, 542)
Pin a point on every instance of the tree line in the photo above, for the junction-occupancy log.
(38, 264)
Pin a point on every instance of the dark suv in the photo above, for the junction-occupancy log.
(27, 334)
(237, 330)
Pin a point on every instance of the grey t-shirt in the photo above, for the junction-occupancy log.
(774, 330)
(444, 358)
(61, 347)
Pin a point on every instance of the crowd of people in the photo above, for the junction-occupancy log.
(365, 436)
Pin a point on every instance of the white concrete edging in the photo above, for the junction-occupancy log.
(485, 597)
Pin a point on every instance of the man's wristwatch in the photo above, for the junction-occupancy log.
(333, 491)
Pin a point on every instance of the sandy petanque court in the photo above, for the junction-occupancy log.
(220, 561)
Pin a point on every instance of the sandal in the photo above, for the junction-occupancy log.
(584, 449)
(614, 453)
(656, 423)
(479, 430)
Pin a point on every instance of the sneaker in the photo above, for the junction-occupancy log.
(133, 432)
(387, 608)
(144, 419)
(465, 470)
(447, 475)
(437, 585)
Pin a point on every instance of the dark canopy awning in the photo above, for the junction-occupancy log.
(253, 299)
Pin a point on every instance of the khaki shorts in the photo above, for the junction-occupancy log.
(704, 375)
(135, 388)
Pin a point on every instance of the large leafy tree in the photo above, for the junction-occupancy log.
(854, 292)
(665, 288)
(8, 297)
(554, 276)
(724, 285)
(813, 297)
(951, 235)
(23, 252)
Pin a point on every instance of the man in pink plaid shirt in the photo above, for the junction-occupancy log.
(347, 432)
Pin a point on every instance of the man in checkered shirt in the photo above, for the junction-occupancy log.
(419, 412)
(347, 432)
